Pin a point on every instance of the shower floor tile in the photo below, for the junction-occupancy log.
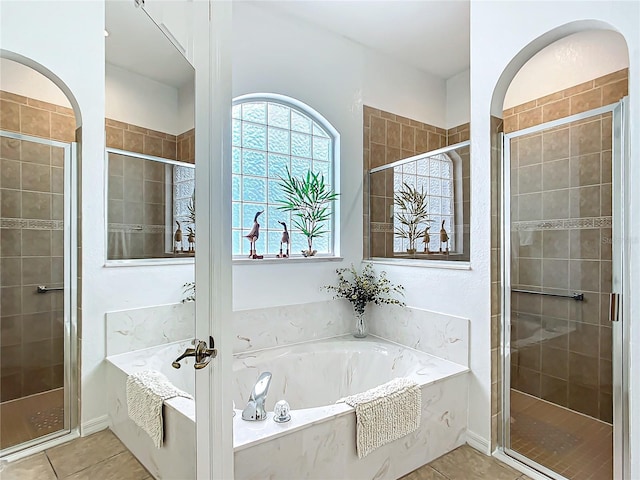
(569, 443)
(31, 417)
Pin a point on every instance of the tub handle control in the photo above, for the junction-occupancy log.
(202, 354)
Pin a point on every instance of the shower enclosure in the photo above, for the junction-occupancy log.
(562, 394)
(37, 386)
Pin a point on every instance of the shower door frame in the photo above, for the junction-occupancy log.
(70, 338)
(620, 328)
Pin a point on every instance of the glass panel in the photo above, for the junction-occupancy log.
(278, 140)
(254, 136)
(301, 145)
(254, 163)
(254, 189)
(254, 112)
(278, 165)
(560, 385)
(236, 160)
(321, 148)
(319, 131)
(279, 116)
(32, 387)
(300, 123)
(300, 167)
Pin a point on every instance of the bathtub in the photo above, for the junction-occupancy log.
(319, 441)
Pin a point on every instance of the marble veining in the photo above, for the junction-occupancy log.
(319, 441)
(129, 330)
(439, 334)
(271, 327)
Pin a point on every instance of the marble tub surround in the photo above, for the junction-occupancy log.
(129, 330)
(276, 326)
(302, 376)
(444, 336)
(327, 449)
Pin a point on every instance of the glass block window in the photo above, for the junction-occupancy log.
(270, 136)
(433, 175)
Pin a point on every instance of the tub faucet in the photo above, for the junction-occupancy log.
(255, 407)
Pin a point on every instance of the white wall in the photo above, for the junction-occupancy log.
(570, 61)
(493, 50)
(458, 99)
(272, 53)
(135, 99)
(73, 50)
(21, 80)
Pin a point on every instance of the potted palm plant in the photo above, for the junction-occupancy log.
(412, 215)
(309, 199)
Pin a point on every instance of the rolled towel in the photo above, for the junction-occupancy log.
(146, 393)
(385, 413)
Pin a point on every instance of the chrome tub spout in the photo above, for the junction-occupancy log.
(255, 407)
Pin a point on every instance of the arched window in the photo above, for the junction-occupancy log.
(273, 134)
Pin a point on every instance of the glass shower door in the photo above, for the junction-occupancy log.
(558, 205)
(35, 305)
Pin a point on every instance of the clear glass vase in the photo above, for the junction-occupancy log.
(362, 328)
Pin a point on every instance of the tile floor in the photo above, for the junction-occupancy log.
(100, 456)
(572, 444)
(31, 417)
(103, 457)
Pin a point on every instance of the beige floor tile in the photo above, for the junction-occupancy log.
(75, 456)
(424, 473)
(465, 463)
(35, 467)
(123, 466)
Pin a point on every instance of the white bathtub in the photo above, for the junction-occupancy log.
(319, 441)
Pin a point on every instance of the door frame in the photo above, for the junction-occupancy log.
(213, 272)
(620, 329)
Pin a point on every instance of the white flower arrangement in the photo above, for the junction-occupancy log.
(365, 287)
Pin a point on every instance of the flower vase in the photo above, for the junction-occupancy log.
(362, 328)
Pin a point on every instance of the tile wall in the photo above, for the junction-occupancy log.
(31, 245)
(388, 138)
(575, 178)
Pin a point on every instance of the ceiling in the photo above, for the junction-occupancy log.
(137, 44)
(432, 36)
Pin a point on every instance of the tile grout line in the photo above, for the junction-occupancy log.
(50, 464)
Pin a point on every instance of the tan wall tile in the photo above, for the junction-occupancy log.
(555, 110)
(41, 105)
(9, 116)
(133, 141)
(378, 155)
(612, 77)
(549, 98)
(152, 146)
(510, 123)
(613, 92)
(115, 123)
(13, 97)
(408, 138)
(433, 142)
(393, 155)
(169, 149)
(421, 141)
(387, 115)
(378, 130)
(582, 87)
(10, 148)
(530, 118)
(525, 106)
(114, 137)
(393, 134)
(586, 101)
(34, 121)
(63, 127)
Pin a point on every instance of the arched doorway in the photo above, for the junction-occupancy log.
(38, 129)
(562, 407)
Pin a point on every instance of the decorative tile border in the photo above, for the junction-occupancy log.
(381, 227)
(31, 224)
(564, 224)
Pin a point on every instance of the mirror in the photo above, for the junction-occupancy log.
(150, 140)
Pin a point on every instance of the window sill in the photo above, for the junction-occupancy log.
(150, 262)
(283, 261)
(405, 262)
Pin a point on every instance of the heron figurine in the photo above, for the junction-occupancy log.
(284, 239)
(253, 236)
(444, 238)
(426, 239)
(191, 240)
(177, 240)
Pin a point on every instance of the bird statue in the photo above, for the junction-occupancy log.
(444, 238)
(426, 239)
(191, 240)
(253, 236)
(177, 240)
(284, 239)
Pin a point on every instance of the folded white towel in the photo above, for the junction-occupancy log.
(146, 393)
(385, 413)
